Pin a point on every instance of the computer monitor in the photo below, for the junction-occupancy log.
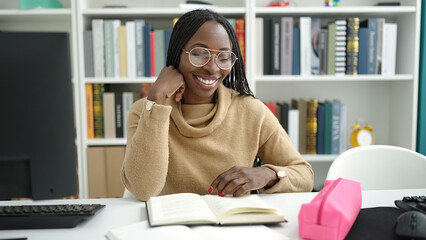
(37, 141)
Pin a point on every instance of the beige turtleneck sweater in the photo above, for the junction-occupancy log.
(178, 147)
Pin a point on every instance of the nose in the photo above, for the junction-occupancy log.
(211, 65)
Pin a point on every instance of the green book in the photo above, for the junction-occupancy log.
(328, 117)
(160, 55)
(109, 48)
(98, 113)
(331, 48)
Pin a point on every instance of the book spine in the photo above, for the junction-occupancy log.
(302, 106)
(139, 48)
(389, 48)
(116, 47)
(98, 47)
(286, 45)
(321, 128)
(352, 46)
(98, 113)
(89, 70)
(363, 51)
(259, 50)
(340, 53)
(147, 49)
(167, 36)
(296, 52)
(328, 126)
(284, 115)
(322, 51)
(335, 133)
(89, 112)
(118, 114)
(293, 127)
(122, 43)
(109, 114)
(109, 48)
(267, 48)
(311, 127)
(272, 106)
(331, 49)
(380, 27)
(240, 30)
(127, 104)
(130, 49)
(305, 46)
(232, 22)
(160, 57)
(343, 128)
(152, 55)
(276, 45)
(315, 61)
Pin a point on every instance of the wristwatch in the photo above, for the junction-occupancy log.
(149, 105)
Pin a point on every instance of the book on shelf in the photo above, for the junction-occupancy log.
(152, 55)
(98, 113)
(389, 48)
(272, 106)
(286, 45)
(295, 70)
(363, 50)
(352, 45)
(371, 24)
(331, 48)
(147, 49)
(232, 22)
(328, 126)
(267, 48)
(343, 128)
(240, 30)
(130, 49)
(139, 47)
(311, 126)
(98, 47)
(89, 112)
(118, 101)
(109, 114)
(203, 232)
(380, 27)
(320, 127)
(111, 47)
(340, 50)
(160, 55)
(322, 51)
(305, 45)
(167, 36)
(276, 46)
(128, 100)
(285, 107)
(89, 68)
(278, 108)
(260, 44)
(122, 43)
(301, 105)
(194, 209)
(293, 127)
(335, 130)
(314, 49)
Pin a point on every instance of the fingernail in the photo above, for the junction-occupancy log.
(221, 194)
(210, 189)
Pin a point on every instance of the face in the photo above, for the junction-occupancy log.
(202, 82)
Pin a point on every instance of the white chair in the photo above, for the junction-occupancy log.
(381, 167)
(127, 194)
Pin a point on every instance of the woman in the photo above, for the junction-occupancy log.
(200, 128)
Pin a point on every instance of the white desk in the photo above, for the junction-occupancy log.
(122, 212)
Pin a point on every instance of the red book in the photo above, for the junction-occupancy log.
(272, 106)
(240, 30)
(152, 40)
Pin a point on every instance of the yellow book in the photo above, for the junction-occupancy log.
(123, 50)
(89, 111)
(311, 127)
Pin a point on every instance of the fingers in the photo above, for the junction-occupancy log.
(236, 182)
(169, 82)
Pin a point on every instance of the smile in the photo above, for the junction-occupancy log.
(206, 81)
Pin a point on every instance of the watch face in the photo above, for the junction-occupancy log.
(364, 137)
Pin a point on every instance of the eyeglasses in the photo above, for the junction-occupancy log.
(201, 56)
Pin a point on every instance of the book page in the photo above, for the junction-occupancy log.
(181, 208)
(245, 209)
(252, 232)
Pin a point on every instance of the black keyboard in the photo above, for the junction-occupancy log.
(46, 216)
(410, 203)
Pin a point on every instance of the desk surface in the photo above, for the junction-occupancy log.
(122, 212)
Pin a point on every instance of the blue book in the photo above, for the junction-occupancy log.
(315, 31)
(147, 29)
(167, 35)
(296, 52)
(335, 127)
(372, 25)
(363, 51)
(320, 128)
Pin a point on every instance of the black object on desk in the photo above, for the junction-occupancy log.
(46, 216)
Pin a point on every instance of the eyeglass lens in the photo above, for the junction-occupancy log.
(201, 56)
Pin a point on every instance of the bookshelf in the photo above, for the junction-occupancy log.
(388, 103)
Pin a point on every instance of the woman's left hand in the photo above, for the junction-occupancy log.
(238, 181)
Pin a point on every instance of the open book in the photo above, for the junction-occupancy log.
(194, 209)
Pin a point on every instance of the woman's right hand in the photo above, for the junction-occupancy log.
(169, 82)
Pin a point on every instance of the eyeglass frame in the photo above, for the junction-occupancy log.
(210, 56)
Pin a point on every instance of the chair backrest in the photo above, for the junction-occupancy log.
(381, 167)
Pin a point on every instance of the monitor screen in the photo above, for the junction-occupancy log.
(37, 142)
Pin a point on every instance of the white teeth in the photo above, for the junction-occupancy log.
(208, 82)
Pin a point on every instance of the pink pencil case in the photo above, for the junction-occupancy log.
(331, 214)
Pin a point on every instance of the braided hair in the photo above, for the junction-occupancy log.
(186, 27)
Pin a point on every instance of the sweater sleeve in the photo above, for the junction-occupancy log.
(145, 164)
(278, 153)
